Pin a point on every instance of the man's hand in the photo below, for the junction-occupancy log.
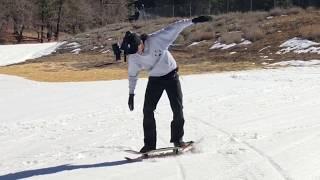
(131, 102)
(201, 19)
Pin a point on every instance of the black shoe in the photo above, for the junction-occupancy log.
(146, 149)
(180, 144)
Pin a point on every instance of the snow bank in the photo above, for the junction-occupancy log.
(11, 54)
(245, 42)
(298, 45)
(73, 45)
(297, 63)
(76, 51)
(196, 43)
(218, 45)
(222, 46)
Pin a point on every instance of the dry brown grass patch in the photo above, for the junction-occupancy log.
(295, 10)
(231, 37)
(74, 68)
(69, 67)
(64, 75)
(311, 32)
(50, 72)
(276, 11)
(200, 36)
(253, 33)
(39, 71)
(286, 11)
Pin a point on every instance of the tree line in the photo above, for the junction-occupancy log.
(196, 7)
(237, 5)
(50, 17)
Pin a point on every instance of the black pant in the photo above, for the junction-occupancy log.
(156, 85)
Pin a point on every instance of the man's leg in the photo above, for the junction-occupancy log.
(173, 89)
(153, 93)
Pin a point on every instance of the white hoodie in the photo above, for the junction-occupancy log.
(156, 58)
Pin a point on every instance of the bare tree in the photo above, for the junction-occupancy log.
(19, 12)
(77, 16)
(43, 6)
(59, 13)
(2, 17)
(115, 10)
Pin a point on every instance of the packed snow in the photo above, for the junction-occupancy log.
(11, 54)
(196, 43)
(298, 45)
(76, 51)
(259, 124)
(219, 45)
(245, 42)
(299, 63)
(105, 51)
(72, 45)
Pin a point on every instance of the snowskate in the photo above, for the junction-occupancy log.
(161, 152)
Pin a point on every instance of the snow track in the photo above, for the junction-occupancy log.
(258, 152)
(255, 125)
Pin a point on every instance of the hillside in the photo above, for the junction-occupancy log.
(234, 41)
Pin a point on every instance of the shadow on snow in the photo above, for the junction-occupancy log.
(61, 168)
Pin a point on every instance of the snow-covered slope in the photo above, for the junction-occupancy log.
(261, 124)
(10, 54)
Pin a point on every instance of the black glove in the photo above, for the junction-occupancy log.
(131, 102)
(201, 19)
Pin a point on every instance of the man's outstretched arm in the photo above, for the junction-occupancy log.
(166, 36)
